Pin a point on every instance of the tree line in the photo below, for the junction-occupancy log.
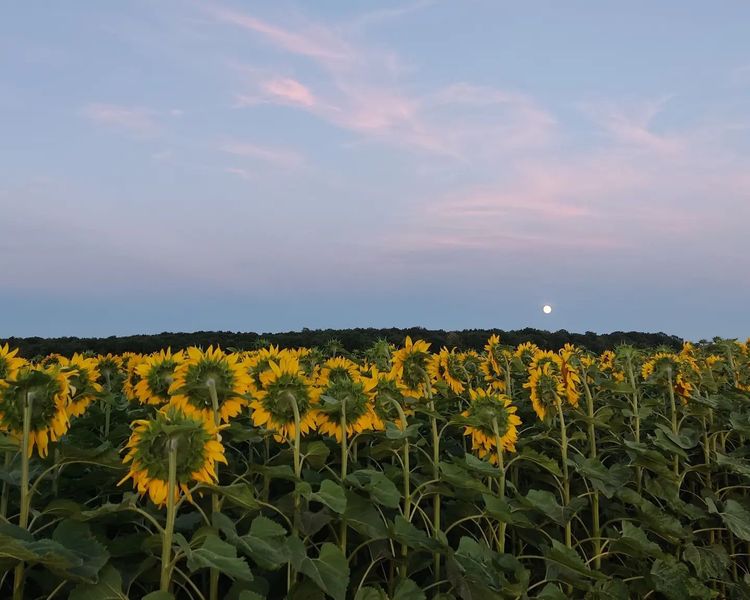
(337, 340)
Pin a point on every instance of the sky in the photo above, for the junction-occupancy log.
(268, 166)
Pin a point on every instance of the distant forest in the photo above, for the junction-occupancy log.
(337, 340)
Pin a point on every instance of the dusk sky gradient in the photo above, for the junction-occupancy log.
(268, 166)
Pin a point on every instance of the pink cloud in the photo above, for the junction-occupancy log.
(289, 90)
(137, 121)
(317, 43)
(281, 157)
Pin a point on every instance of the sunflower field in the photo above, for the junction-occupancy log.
(396, 474)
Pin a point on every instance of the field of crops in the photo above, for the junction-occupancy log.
(398, 473)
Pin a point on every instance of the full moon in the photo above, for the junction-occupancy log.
(546, 309)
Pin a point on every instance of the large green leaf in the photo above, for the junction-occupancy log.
(380, 488)
(362, 516)
(735, 516)
(214, 553)
(108, 587)
(330, 571)
(709, 562)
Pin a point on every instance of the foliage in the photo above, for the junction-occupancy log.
(394, 473)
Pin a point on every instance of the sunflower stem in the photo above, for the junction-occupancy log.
(213, 589)
(436, 501)
(23, 519)
(406, 470)
(595, 524)
(675, 428)
(500, 484)
(6, 490)
(566, 479)
(636, 419)
(166, 546)
(292, 574)
(107, 407)
(344, 466)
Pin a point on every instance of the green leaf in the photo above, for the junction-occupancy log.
(460, 478)
(241, 495)
(551, 592)
(316, 453)
(158, 596)
(362, 516)
(736, 465)
(371, 593)
(332, 495)
(109, 587)
(606, 481)
(406, 533)
(381, 489)
(546, 503)
(709, 562)
(330, 571)
(248, 595)
(406, 589)
(77, 538)
(736, 518)
(547, 463)
(265, 544)
(634, 542)
(214, 553)
(672, 579)
(564, 563)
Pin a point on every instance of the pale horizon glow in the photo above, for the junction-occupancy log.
(255, 166)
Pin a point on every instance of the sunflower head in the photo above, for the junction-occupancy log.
(380, 353)
(490, 418)
(198, 449)
(526, 352)
(155, 376)
(110, 369)
(46, 390)
(9, 362)
(387, 393)
(256, 363)
(204, 373)
(472, 366)
(337, 368)
(348, 397)
(448, 367)
(664, 367)
(545, 386)
(83, 378)
(285, 385)
(410, 365)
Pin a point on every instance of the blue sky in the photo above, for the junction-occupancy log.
(271, 166)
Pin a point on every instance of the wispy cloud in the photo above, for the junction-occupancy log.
(315, 42)
(359, 89)
(133, 120)
(277, 156)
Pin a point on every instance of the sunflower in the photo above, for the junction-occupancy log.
(255, 363)
(9, 362)
(83, 375)
(448, 366)
(203, 372)
(526, 352)
(156, 373)
(410, 366)
(386, 390)
(272, 406)
(110, 369)
(47, 390)
(131, 376)
(489, 409)
(666, 366)
(199, 448)
(472, 365)
(607, 366)
(338, 368)
(545, 385)
(350, 397)
(569, 355)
